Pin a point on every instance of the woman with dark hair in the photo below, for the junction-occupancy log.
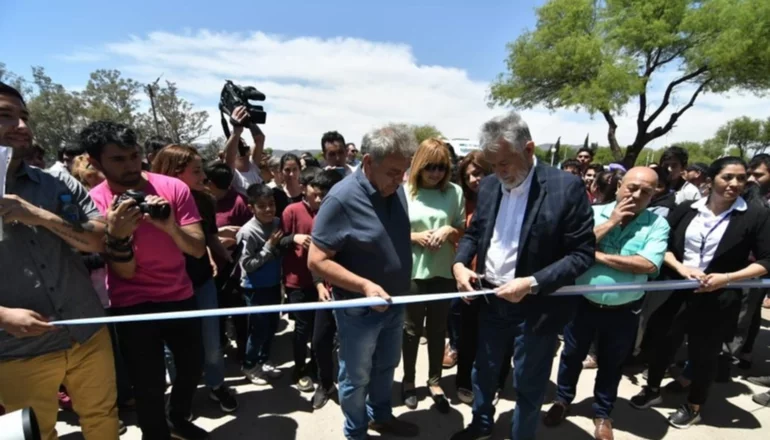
(605, 185)
(290, 190)
(185, 163)
(710, 242)
(437, 218)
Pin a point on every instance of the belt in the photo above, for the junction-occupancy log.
(629, 305)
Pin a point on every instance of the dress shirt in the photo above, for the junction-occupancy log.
(503, 253)
(704, 233)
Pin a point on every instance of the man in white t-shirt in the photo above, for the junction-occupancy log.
(236, 154)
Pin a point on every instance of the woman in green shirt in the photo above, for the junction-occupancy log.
(437, 217)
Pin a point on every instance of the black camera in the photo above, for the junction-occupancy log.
(159, 212)
(234, 96)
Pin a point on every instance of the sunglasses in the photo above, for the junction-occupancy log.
(435, 167)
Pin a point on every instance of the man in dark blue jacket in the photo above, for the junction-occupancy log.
(532, 233)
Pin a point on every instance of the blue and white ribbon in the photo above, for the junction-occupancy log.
(651, 286)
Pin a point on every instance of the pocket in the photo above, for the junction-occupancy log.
(357, 311)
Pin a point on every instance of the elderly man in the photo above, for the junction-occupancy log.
(44, 218)
(632, 242)
(532, 233)
(361, 246)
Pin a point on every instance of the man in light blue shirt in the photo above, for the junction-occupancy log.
(631, 244)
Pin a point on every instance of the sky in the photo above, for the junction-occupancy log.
(333, 65)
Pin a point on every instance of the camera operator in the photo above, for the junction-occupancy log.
(146, 274)
(335, 153)
(44, 278)
(237, 157)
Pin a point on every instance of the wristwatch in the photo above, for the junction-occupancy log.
(535, 288)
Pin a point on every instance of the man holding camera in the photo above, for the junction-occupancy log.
(236, 154)
(335, 153)
(43, 219)
(152, 221)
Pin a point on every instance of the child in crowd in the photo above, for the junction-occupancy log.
(297, 224)
(262, 241)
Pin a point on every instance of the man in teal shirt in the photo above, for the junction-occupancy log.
(631, 244)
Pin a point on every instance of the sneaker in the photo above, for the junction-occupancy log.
(450, 357)
(303, 381)
(761, 398)
(184, 430)
(225, 397)
(270, 371)
(465, 396)
(472, 433)
(322, 396)
(684, 417)
(646, 398)
(763, 381)
(255, 375)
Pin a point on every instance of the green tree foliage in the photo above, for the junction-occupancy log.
(422, 132)
(601, 56)
(110, 96)
(747, 135)
(176, 118)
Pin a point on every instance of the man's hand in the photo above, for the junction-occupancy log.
(275, 238)
(122, 220)
(465, 277)
(422, 239)
(372, 290)
(23, 323)
(515, 290)
(440, 236)
(240, 117)
(15, 209)
(228, 231)
(712, 282)
(623, 211)
(323, 293)
(302, 240)
(166, 225)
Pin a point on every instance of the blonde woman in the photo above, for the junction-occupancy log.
(437, 218)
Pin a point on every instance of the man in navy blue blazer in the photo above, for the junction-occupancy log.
(532, 233)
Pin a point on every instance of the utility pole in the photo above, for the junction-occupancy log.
(151, 92)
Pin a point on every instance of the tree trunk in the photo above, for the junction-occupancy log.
(632, 153)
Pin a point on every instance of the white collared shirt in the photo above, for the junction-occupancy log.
(503, 252)
(704, 233)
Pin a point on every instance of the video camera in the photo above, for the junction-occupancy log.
(233, 96)
(159, 212)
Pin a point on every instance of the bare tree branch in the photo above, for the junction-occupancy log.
(670, 89)
(611, 137)
(660, 131)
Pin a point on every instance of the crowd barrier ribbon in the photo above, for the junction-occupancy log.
(650, 286)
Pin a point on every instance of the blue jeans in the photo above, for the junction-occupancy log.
(454, 322)
(615, 334)
(262, 326)
(213, 356)
(502, 325)
(370, 350)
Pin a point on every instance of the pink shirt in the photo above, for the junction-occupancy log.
(160, 264)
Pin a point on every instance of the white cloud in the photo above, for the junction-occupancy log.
(314, 85)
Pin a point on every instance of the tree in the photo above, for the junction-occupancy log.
(110, 96)
(176, 118)
(422, 132)
(15, 81)
(210, 150)
(745, 134)
(602, 56)
(56, 115)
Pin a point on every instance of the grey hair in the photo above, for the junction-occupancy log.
(390, 139)
(509, 127)
(274, 162)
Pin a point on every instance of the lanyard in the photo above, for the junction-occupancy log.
(704, 238)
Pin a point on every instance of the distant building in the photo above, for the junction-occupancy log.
(463, 146)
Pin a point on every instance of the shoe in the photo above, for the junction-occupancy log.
(465, 396)
(762, 398)
(646, 398)
(184, 430)
(226, 398)
(322, 396)
(255, 375)
(603, 429)
(270, 371)
(450, 357)
(556, 414)
(395, 427)
(305, 384)
(409, 397)
(590, 363)
(763, 381)
(122, 427)
(441, 402)
(684, 417)
(423, 340)
(676, 387)
(472, 433)
(65, 403)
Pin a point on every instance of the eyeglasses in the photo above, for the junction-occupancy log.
(435, 167)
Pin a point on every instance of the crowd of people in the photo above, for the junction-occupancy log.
(115, 229)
